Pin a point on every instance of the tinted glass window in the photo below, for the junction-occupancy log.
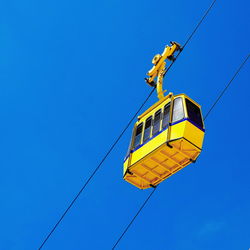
(165, 119)
(157, 122)
(147, 129)
(178, 112)
(194, 113)
(138, 134)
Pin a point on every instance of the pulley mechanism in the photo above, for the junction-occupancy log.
(159, 69)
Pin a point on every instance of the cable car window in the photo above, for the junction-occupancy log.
(157, 120)
(194, 113)
(147, 129)
(130, 144)
(178, 112)
(165, 119)
(138, 135)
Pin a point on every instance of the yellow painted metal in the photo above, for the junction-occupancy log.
(154, 161)
(159, 68)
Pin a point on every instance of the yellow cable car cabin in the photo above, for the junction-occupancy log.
(166, 138)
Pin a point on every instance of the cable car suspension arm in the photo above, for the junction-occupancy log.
(159, 69)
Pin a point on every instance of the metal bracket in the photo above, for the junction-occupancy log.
(159, 69)
(153, 186)
(193, 161)
(129, 172)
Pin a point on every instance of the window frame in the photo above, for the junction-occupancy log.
(183, 109)
(159, 111)
(164, 108)
(150, 129)
(134, 135)
(198, 107)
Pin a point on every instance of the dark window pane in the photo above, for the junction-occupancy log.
(165, 119)
(147, 129)
(178, 112)
(194, 113)
(138, 134)
(157, 122)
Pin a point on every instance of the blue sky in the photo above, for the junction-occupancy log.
(72, 75)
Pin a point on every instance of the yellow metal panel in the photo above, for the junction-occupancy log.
(193, 134)
(149, 147)
(187, 130)
(177, 130)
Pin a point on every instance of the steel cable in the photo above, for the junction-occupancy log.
(95, 170)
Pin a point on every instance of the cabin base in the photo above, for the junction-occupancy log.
(160, 164)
